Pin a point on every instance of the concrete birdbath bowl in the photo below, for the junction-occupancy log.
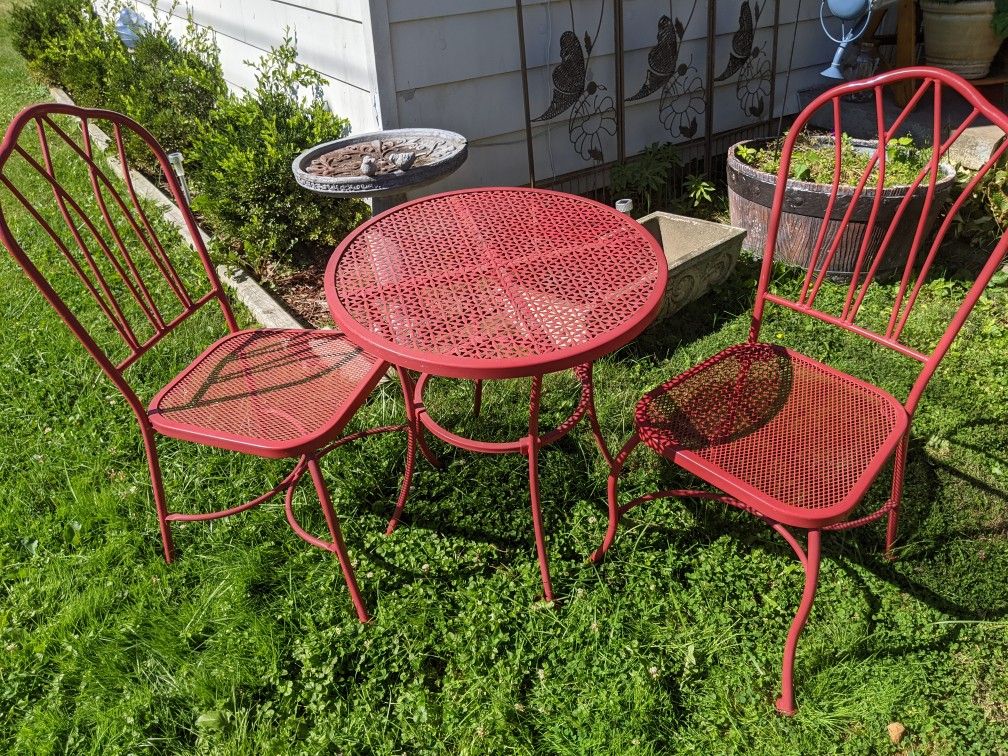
(382, 165)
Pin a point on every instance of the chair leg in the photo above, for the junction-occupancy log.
(616, 467)
(899, 468)
(337, 540)
(407, 479)
(786, 704)
(157, 484)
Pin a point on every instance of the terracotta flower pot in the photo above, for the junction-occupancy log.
(959, 37)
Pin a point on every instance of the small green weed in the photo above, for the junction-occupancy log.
(814, 159)
(647, 178)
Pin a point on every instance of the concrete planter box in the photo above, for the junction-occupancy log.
(700, 255)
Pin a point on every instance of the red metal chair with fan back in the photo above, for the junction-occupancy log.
(786, 437)
(99, 260)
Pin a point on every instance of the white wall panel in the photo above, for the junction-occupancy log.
(330, 36)
(455, 64)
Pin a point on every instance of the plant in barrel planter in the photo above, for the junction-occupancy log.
(964, 36)
(752, 178)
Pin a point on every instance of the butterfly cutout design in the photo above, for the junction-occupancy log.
(742, 40)
(568, 76)
(663, 58)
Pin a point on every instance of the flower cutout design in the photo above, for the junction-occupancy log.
(753, 85)
(681, 102)
(594, 114)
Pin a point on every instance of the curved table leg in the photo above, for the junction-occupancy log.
(411, 434)
(584, 373)
(532, 450)
(408, 388)
(477, 397)
(615, 468)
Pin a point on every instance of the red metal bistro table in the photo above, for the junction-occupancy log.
(496, 283)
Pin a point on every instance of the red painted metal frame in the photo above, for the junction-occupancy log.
(110, 264)
(435, 244)
(892, 433)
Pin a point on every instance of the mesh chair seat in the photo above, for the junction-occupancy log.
(786, 435)
(274, 393)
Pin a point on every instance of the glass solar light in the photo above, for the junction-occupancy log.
(175, 159)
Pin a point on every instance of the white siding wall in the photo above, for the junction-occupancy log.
(331, 39)
(456, 65)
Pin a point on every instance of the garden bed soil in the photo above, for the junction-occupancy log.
(301, 288)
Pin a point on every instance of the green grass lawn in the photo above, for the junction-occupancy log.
(248, 643)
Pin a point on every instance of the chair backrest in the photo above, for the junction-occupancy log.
(926, 210)
(83, 236)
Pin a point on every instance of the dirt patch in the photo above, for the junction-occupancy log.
(302, 288)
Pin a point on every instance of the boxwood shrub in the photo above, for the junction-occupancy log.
(245, 187)
(238, 148)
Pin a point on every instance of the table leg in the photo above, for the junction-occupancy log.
(532, 450)
(412, 432)
(584, 372)
(408, 387)
(477, 398)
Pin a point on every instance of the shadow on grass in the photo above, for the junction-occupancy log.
(701, 317)
(941, 581)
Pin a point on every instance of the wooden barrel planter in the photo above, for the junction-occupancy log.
(750, 195)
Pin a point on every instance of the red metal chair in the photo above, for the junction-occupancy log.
(783, 436)
(122, 288)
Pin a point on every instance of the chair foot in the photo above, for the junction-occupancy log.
(891, 528)
(785, 708)
(157, 485)
(786, 702)
(167, 545)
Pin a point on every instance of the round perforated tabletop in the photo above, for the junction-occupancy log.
(495, 283)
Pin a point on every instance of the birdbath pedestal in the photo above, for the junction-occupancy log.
(380, 164)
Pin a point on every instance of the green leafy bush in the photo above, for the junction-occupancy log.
(35, 24)
(245, 187)
(999, 22)
(983, 217)
(80, 60)
(238, 148)
(169, 85)
(647, 178)
(814, 159)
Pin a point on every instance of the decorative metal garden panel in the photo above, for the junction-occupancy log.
(623, 74)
